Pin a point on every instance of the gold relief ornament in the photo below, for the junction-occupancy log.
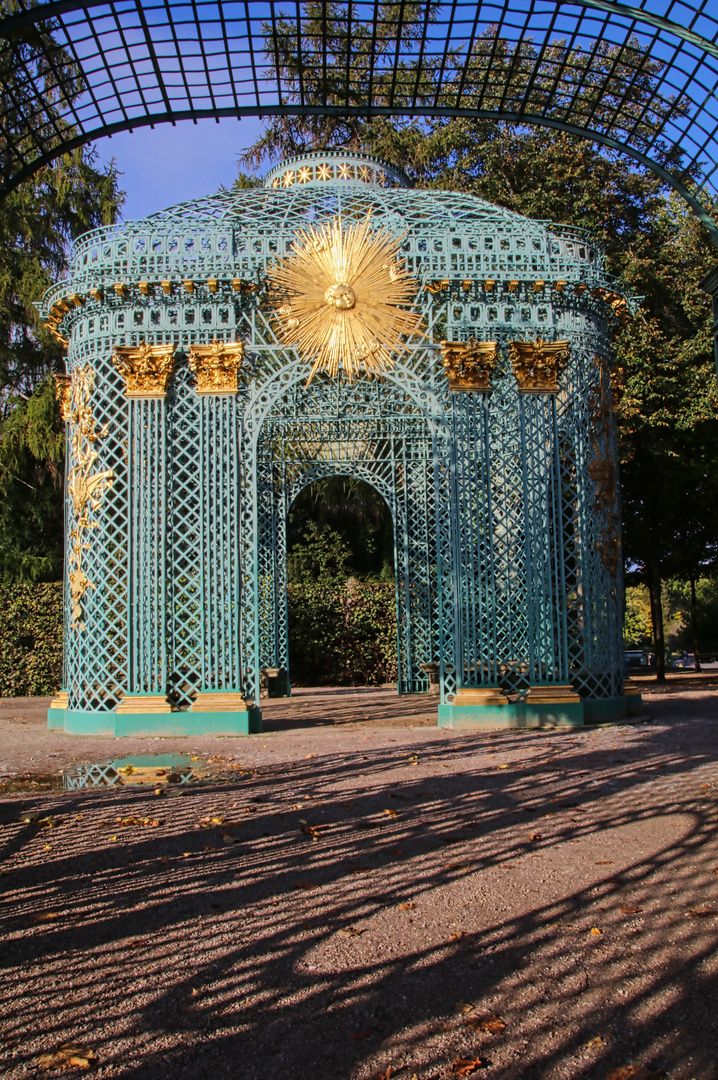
(536, 364)
(469, 364)
(86, 488)
(146, 369)
(217, 366)
(339, 295)
(63, 384)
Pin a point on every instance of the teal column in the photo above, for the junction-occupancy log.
(146, 557)
(221, 702)
(147, 370)
(219, 467)
(548, 648)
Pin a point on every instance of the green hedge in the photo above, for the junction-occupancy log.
(30, 639)
(340, 634)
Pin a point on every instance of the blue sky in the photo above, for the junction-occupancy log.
(172, 164)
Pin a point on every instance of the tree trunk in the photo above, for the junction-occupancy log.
(659, 645)
(694, 626)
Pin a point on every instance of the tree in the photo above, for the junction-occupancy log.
(38, 223)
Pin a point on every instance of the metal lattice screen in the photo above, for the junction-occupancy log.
(504, 500)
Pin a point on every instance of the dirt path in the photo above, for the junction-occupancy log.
(362, 895)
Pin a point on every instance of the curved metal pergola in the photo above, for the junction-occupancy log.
(639, 78)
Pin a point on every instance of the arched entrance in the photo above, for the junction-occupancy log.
(376, 432)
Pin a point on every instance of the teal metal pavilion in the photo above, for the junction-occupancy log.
(196, 412)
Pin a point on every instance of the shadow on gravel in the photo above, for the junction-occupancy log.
(287, 953)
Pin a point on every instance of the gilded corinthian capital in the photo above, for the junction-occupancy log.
(146, 369)
(468, 364)
(217, 366)
(536, 364)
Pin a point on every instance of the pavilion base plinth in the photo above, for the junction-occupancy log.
(634, 698)
(488, 708)
(163, 724)
(56, 711)
(143, 703)
(615, 710)
(213, 701)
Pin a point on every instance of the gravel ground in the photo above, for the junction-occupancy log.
(366, 896)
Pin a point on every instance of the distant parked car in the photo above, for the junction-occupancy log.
(636, 658)
(686, 661)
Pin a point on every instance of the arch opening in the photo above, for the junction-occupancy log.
(342, 596)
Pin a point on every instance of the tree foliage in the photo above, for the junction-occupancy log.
(38, 222)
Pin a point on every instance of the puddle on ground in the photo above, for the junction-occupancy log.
(155, 769)
(36, 783)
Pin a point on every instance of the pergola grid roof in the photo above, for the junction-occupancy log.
(637, 77)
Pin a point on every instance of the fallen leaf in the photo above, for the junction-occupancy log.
(351, 931)
(595, 1041)
(604, 862)
(700, 912)
(408, 905)
(311, 830)
(229, 839)
(595, 932)
(459, 935)
(42, 917)
(391, 813)
(631, 909)
(466, 1066)
(454, 866)
(388, 1073)
(634, 1072)
(48, 822)
(501, 767)
(363, 1034)
(491, 1023)
(397, 851)
(138, 943)
(67, 1056)
(535, 836)
(463, 1007)
(306, 885)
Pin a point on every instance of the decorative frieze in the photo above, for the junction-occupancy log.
(469, 364)
(536, 364)
(217, 366)
(146, 369)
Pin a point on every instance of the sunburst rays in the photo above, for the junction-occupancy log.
(340, 293)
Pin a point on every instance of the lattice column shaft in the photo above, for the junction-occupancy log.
(219, 467)
(548, 646)
(474, 553)
(147, 661)
(249, 571)
(444, 627)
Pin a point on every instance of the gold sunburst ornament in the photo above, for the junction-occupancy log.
(340, 292)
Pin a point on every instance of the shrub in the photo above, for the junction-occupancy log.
(30, 639)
